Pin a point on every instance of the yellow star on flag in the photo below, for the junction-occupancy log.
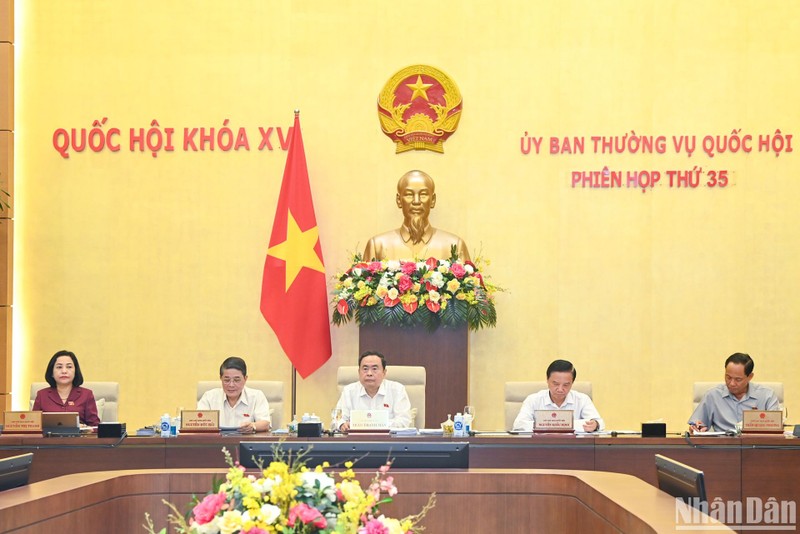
(298, 250)
(419, 88)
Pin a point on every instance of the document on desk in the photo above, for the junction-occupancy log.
(403, 431)
(709, 433)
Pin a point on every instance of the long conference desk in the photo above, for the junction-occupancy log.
(467, 500)
(736, 468)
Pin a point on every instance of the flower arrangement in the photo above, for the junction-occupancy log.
(429, 293)
(289, 498)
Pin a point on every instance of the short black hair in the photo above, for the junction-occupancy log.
(77, 380)
(742, 359)
(234, 362)
(562, 366)
(372, 353)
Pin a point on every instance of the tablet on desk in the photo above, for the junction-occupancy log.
(61, 424)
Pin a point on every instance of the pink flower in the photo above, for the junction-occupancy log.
(458, 270)
(374, 266)
(433, 306)
(208, 508)
(307, 515)
(373, 526)
(374, 489)
(432, 263)
(255, 530)
(342, 307)
(405, 283)
(408, 267)
(388, 486)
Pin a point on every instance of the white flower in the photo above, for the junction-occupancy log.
(468, 268)
(310, 478)
(270, 513)
(206, 528)
(263, 485)
(357, 271)
(421, 265)
(444, 266)
(393, 265)
(434, 295)
(437, 279)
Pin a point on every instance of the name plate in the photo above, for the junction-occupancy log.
(22, 422)
(762, 421)
(369, 420)
(200, 421)
(553, 421)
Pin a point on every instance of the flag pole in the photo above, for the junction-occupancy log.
(294, 369)
(294, 391)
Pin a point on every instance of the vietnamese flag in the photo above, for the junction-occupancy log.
(293, 294)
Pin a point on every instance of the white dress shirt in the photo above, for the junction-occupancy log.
(251, 406)
(580, 403)
(391, 396)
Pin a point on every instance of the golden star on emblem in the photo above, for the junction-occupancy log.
(298, 250)
(419, 88)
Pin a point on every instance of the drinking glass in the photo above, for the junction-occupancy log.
(336, 419)
(470, 410)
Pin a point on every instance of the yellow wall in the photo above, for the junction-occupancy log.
(150, 268)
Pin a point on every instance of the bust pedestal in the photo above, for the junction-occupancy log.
(445, 355)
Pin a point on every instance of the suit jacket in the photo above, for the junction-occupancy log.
(80, 400)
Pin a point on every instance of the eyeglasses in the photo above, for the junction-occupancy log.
(237, 380)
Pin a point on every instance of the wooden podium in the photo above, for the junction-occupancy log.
(445, 355)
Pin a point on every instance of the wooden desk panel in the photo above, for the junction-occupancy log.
(718, 458)
(532, 452)
(54, 457)
(498, 501)
(771, 468)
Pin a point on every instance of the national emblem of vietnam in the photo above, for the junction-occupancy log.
(419, 108)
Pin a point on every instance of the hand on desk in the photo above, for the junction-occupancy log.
(591, 425)
(698, 426)
(250, 427)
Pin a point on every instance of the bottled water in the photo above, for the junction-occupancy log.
(458, 426)
(165, 423)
